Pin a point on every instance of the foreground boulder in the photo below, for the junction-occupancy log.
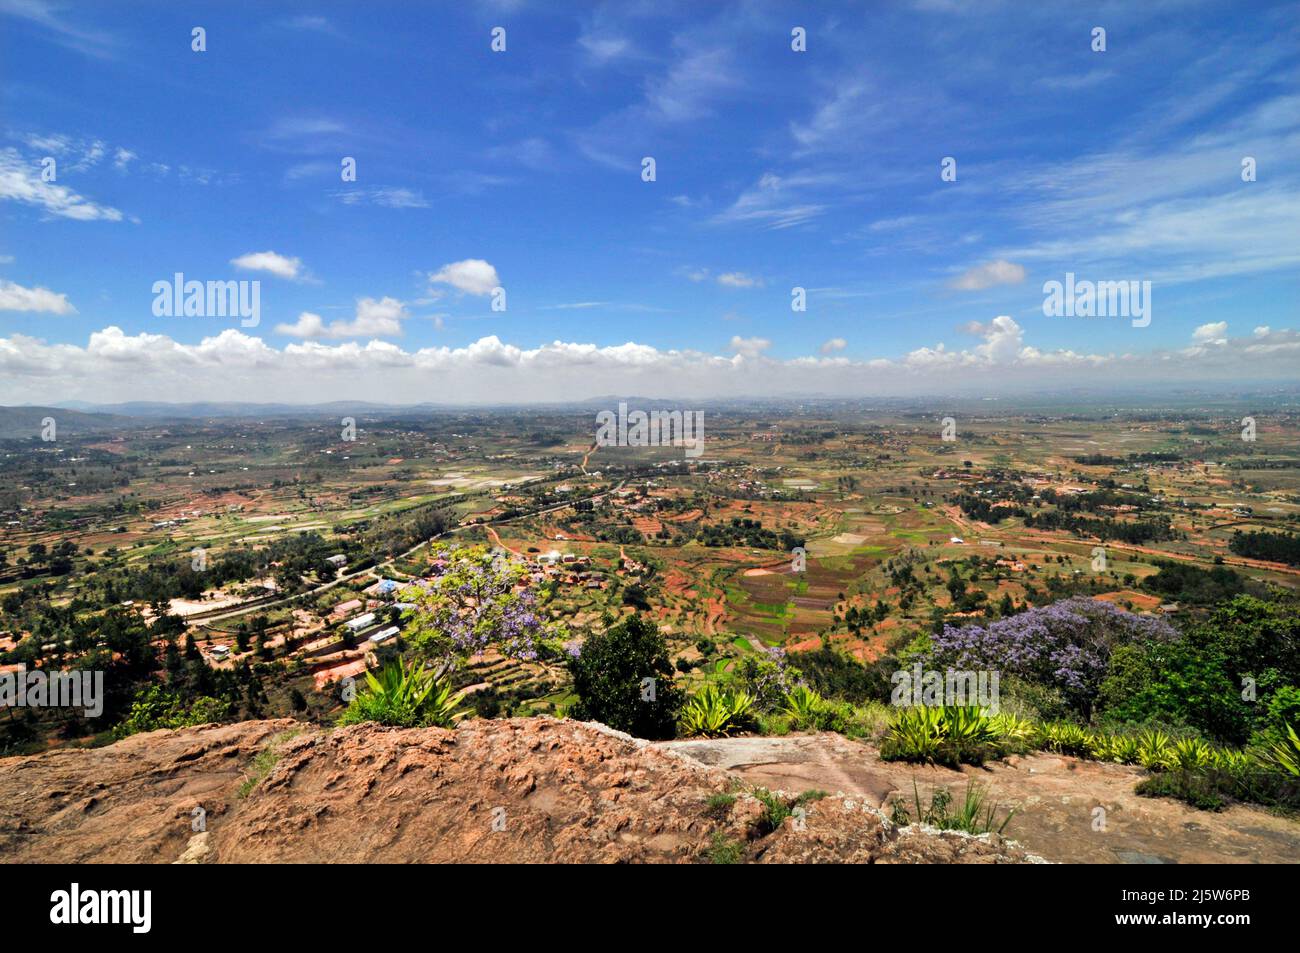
(526, 790)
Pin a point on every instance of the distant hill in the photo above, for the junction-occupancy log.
(154, 410)
(17, 423)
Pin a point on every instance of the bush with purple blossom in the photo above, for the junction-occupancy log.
(1065, 646)
(473, 601)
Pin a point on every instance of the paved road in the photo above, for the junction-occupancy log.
(373, 570)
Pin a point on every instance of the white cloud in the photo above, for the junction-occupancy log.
(1214, 333)
(311, 24)
(308, 325)
(20, 181)
(992, 273)
(375, 317)
(749, 347)
(774, 202)
(833, 345)
(270, 262)
(604, 48)
(49, 16)
(738, 279)
(90, 156)
(14, 297)
(117, 366)
(690, 86)
(472, 276)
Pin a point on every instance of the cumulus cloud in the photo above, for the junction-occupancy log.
(833, 345)
(14, 297)
(749, 347)
(308, 325)
(992, 273)
(114, 365)
(1214, 333)
(472, 276)
(375, 317)
(270, 262)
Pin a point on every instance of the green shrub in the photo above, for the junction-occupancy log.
(1199, 789)
(405, 695)
(608, 675)
(725, 850)
(775, 810)
(155, 707)
(772, 725)
(975, 815)
(719, 806)
(833, 674)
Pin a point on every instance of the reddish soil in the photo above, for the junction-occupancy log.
(526, 790)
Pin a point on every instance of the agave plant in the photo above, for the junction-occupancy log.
(1065, 738)
(1154, 750)
(914, 734)
(406, 695)
(1124, 749)
(713, 713)
(968, 725)
(805, 707)
(1097, 745)
(1285, 754)
(1013, 734)
(1192, 754)
(1230, 760)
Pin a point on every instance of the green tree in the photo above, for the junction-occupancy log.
(610, 679)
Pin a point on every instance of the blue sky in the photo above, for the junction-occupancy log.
(522, 169)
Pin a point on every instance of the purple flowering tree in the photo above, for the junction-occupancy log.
(471, 602)
(1066, 645)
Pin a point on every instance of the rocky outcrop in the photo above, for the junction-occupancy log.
(1067, 810)
(533, 790)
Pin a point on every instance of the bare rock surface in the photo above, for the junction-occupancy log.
(1055, 799)
(513, 790)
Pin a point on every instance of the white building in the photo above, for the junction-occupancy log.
(385, 635)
